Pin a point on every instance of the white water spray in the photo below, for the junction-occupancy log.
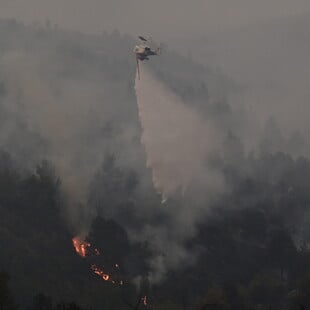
(177, 142)
(176, 138)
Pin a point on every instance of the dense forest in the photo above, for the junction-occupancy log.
(71, 163)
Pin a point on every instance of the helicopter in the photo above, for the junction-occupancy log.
(143, 51)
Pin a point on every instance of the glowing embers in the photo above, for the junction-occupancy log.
(85, 250)
(100, 272)
(107, 277)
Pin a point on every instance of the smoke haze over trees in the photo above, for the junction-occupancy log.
(72, 162)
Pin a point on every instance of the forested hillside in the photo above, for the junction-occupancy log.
(72, 163)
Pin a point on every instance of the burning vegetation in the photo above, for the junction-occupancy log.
(85, 249)
(81, 246)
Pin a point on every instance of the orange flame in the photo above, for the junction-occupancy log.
(144, 300)
(80, 246)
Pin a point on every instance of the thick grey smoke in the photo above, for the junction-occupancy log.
(67, 119)
(59, 113)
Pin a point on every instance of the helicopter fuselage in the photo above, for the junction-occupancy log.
(143, 52)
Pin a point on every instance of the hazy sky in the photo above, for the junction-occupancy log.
(165, 18)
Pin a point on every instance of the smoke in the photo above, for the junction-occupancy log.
(57, 118)
(268, 60)
(62, 102)
(49, 112)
